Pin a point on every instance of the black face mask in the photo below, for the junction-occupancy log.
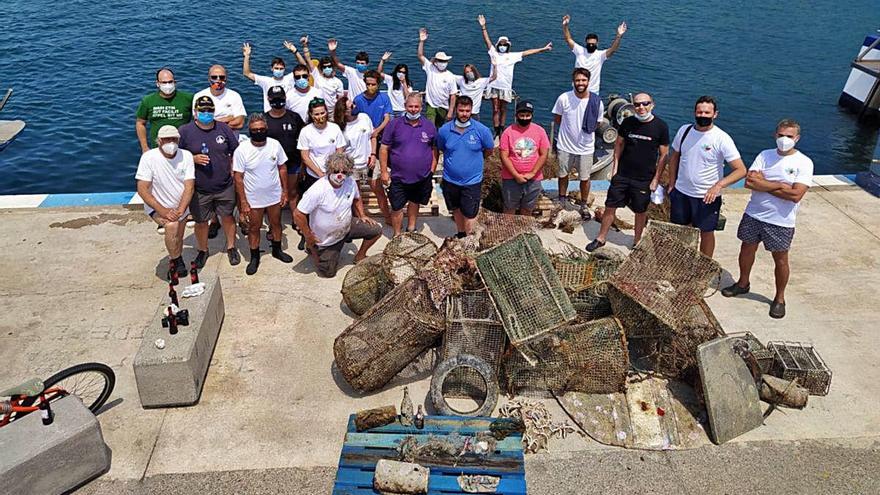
(524, 122)
(703, 121)
(258, 135)
(277, 104)
(591, 47)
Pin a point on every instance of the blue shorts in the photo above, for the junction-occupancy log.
(687, 210)
(464, 198)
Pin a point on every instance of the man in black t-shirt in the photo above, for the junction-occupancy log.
(284, 126)
(639, 158)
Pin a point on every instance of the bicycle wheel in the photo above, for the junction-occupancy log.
(91, 382)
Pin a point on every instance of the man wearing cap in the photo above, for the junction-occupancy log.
(442, 85)
(212, 146)
(503, 62)
(465, 143)
(524, 149)
(590, 57)
(323, 75)
(409, 152)
(166, 106)
(165, 182)
(278, 78)
(298, 100)
(331, 214)
(284, 126)
(228, 106)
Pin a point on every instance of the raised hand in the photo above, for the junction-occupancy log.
(304, 40)
(423, 34)
(621, 28)
(566, 19)
(246, 49)
(332, 44)
(290, 46)
(548, 46)
(386, 56)
(482, 20)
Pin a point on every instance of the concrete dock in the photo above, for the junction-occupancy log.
(80, 284)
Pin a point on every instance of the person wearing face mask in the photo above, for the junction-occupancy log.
(261, 183)
(278, 77)
(323, 75)
(374, 103)
(228, 105)
(473, 86)
(165, 182)
(639, 159)
(317, 141)
(465, 143)
(284, 127)
(397, 83)
(408, 158)
(524, 147)
(779, 179)
(331, 214)
(441, 87)
(590, 57)
(212, 145)
(354, 75)
(696, 172)
(503, 62)
(298, 99)
(361, 141)
(166, 106)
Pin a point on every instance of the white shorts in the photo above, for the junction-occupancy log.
(504, 94)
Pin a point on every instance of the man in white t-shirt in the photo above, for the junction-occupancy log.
(354, 75)
(331, 214)
(228, 105)
(577, 114)
(696, 172)
(166, 179)
(278, 78)
(590, 57)
(323, 76)
(779, 179)
(503, 62)
(302, 94)
(260, 169)
(441, 88)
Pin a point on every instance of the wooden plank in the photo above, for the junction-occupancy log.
(445, 483)
(392, 440)
(366, 458)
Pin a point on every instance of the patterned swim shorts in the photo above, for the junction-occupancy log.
(774, 237)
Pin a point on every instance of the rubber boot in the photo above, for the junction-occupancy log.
(254, 263)
(279, 254)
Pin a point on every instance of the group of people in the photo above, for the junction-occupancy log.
(316, 140)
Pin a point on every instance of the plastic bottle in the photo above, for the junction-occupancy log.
(205, 151)
(46, 412)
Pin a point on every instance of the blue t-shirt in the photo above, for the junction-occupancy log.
(463, 153)
(376, 108)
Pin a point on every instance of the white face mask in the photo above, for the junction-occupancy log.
(167, 88)
(645, 118)
(170, 148)
(502, 48)
(784, 143)
(441, 66)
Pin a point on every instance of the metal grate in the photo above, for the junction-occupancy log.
(685, 234)
(762, 355)
(494, 229)
(798, 360)
(365, 284)
(406, 254)
(590, 304)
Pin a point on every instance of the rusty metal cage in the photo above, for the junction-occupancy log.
(799, 360)
(685, 234)
(365, 284)
(406, 254)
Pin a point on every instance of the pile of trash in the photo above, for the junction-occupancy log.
(610, 336)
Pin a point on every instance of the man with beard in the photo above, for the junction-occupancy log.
(590, 57)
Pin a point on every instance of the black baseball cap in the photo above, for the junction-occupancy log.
(276, 93)
(205, 103)
(525, 106)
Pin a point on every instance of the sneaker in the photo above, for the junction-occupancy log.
(735, 290)
(200, 260)
(584, 210)
(594, 245)
(233, 256)
(777, 309)
(160, 230)
(213, 230)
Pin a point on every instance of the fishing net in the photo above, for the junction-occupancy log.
(687, 235)
(589, 357)
(406, 254)
(525, 289)
(496, 228)
(389, 336)
(472, 327)
(365, 284)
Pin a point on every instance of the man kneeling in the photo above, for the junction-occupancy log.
(324, 216)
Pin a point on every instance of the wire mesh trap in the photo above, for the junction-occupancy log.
(365, 284)
(497, 228)
(762, 354)
(589, 357)
(406, 254)
(798, 360)
(685, 234)
(591, 303)
(524, 288)
(389, 336)
(450, 272)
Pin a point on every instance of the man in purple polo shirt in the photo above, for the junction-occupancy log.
(409, 150)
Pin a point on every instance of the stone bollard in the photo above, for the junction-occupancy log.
(44, 459)
(174, 375)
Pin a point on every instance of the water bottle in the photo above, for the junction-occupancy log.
(204, 151)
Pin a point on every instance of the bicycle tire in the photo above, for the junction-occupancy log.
(105, 372)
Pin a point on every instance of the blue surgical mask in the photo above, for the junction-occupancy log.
(278, 73)
(205, 118)
(327, 71)
(462, 125)
(302, 83)
(413, 116)
(361, 67)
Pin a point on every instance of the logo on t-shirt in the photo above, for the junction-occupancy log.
(524, 147)
(791, 171)
(472, 139)
(220, 139)
(425, 137)
(274, 158)
(707, 147)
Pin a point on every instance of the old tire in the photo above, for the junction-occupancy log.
(466, 361)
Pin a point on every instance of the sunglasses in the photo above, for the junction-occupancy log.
(218, 78)
(642, 104)
(316, 102)
(300, 76)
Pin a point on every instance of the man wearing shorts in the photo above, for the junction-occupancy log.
(524, 149)
(441, 87)
(465, 143)
(212, 144)
(577, 114)
(639, 157)
(409, 150)
(165, 181)
(696, 172)
(284, 126)
(331, 213)
(778, 178)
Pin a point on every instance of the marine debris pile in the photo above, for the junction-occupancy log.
(626, 344)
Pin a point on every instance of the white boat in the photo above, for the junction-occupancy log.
(9, 129)
(861, 94)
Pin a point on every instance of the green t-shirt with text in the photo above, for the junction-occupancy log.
(158, 111)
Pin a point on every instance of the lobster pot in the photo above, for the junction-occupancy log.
(406, 254)
(388, 337)
(589, 357)
(590, 303)
(574, 273)
(797, 360)
(472, 327)
(365, 284)
(497, 228)
(685, 234)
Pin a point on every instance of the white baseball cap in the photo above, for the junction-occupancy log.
(442, 56)
(168, 131)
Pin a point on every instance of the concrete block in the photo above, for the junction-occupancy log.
(174, 376)
(48, 459)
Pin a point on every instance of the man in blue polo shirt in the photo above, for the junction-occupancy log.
(465, 143)
(374, 103)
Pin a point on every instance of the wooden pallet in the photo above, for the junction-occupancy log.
(432, 209)
(361, 451)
